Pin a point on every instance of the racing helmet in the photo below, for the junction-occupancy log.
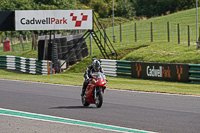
(96, 65)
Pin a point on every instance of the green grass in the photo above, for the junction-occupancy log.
(159, 52)
(114, 82)
(18, 51)
(80, 67)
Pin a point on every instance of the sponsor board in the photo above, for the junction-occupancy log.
(53, 19)
(160, 71)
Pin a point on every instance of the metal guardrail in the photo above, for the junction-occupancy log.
(26, 65)
(116, 67)
(194, 73)
(123, 68)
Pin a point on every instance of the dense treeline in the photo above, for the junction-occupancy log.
(133, 8)
(151, 8)
(123, 8)
(36, 4)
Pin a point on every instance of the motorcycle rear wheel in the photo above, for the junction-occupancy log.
(99, 100)
(84, 102)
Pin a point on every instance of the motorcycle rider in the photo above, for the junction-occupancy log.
(95, 67)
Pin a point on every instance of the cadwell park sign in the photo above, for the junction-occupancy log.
(53, 19)
(160, 71)
(20, 20)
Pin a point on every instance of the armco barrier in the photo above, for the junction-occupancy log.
(182, 72)
(26, 65)
(194, 73)
(116, 67)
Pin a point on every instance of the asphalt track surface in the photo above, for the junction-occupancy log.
(155, 112)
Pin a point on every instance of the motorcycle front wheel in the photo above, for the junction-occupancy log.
(99, 99)
(84, 102)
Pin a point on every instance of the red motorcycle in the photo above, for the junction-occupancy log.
(94, 91)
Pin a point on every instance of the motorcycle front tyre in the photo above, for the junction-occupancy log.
(84, 102)
(99, 100)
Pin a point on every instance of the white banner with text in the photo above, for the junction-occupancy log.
(53, 19)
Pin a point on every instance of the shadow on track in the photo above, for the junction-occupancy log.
(72, 107)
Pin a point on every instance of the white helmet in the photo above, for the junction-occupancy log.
(96, 65)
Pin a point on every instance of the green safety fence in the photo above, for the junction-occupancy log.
(116, 67)
(194, 73)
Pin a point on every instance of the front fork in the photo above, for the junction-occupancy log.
(97, 91)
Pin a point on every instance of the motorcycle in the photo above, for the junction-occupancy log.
(95, 90)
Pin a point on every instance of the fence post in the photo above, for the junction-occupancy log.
(90, 44)
(34, 41)
(127, 33)
(12, 42)
(3, 43)
(35, 46)
(21, 40)
(151, 32)
(26, 39)
(188, 35)
(32, 35)
(120, 28)
(168, 32)
(178, 35)
(199, 39)
(135, 32)
(104, 28)
(100, 35)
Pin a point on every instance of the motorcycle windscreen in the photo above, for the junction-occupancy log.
(98, 75)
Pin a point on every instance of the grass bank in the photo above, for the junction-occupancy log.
(114, 82)
(165, 53)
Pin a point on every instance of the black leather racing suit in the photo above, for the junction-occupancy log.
(87, 75)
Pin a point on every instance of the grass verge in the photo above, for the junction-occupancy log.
(114, 82)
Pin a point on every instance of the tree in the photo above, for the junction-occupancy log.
(85, 2)
(101, 7)
(56, 4)
(17, 5)
(125, 9)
